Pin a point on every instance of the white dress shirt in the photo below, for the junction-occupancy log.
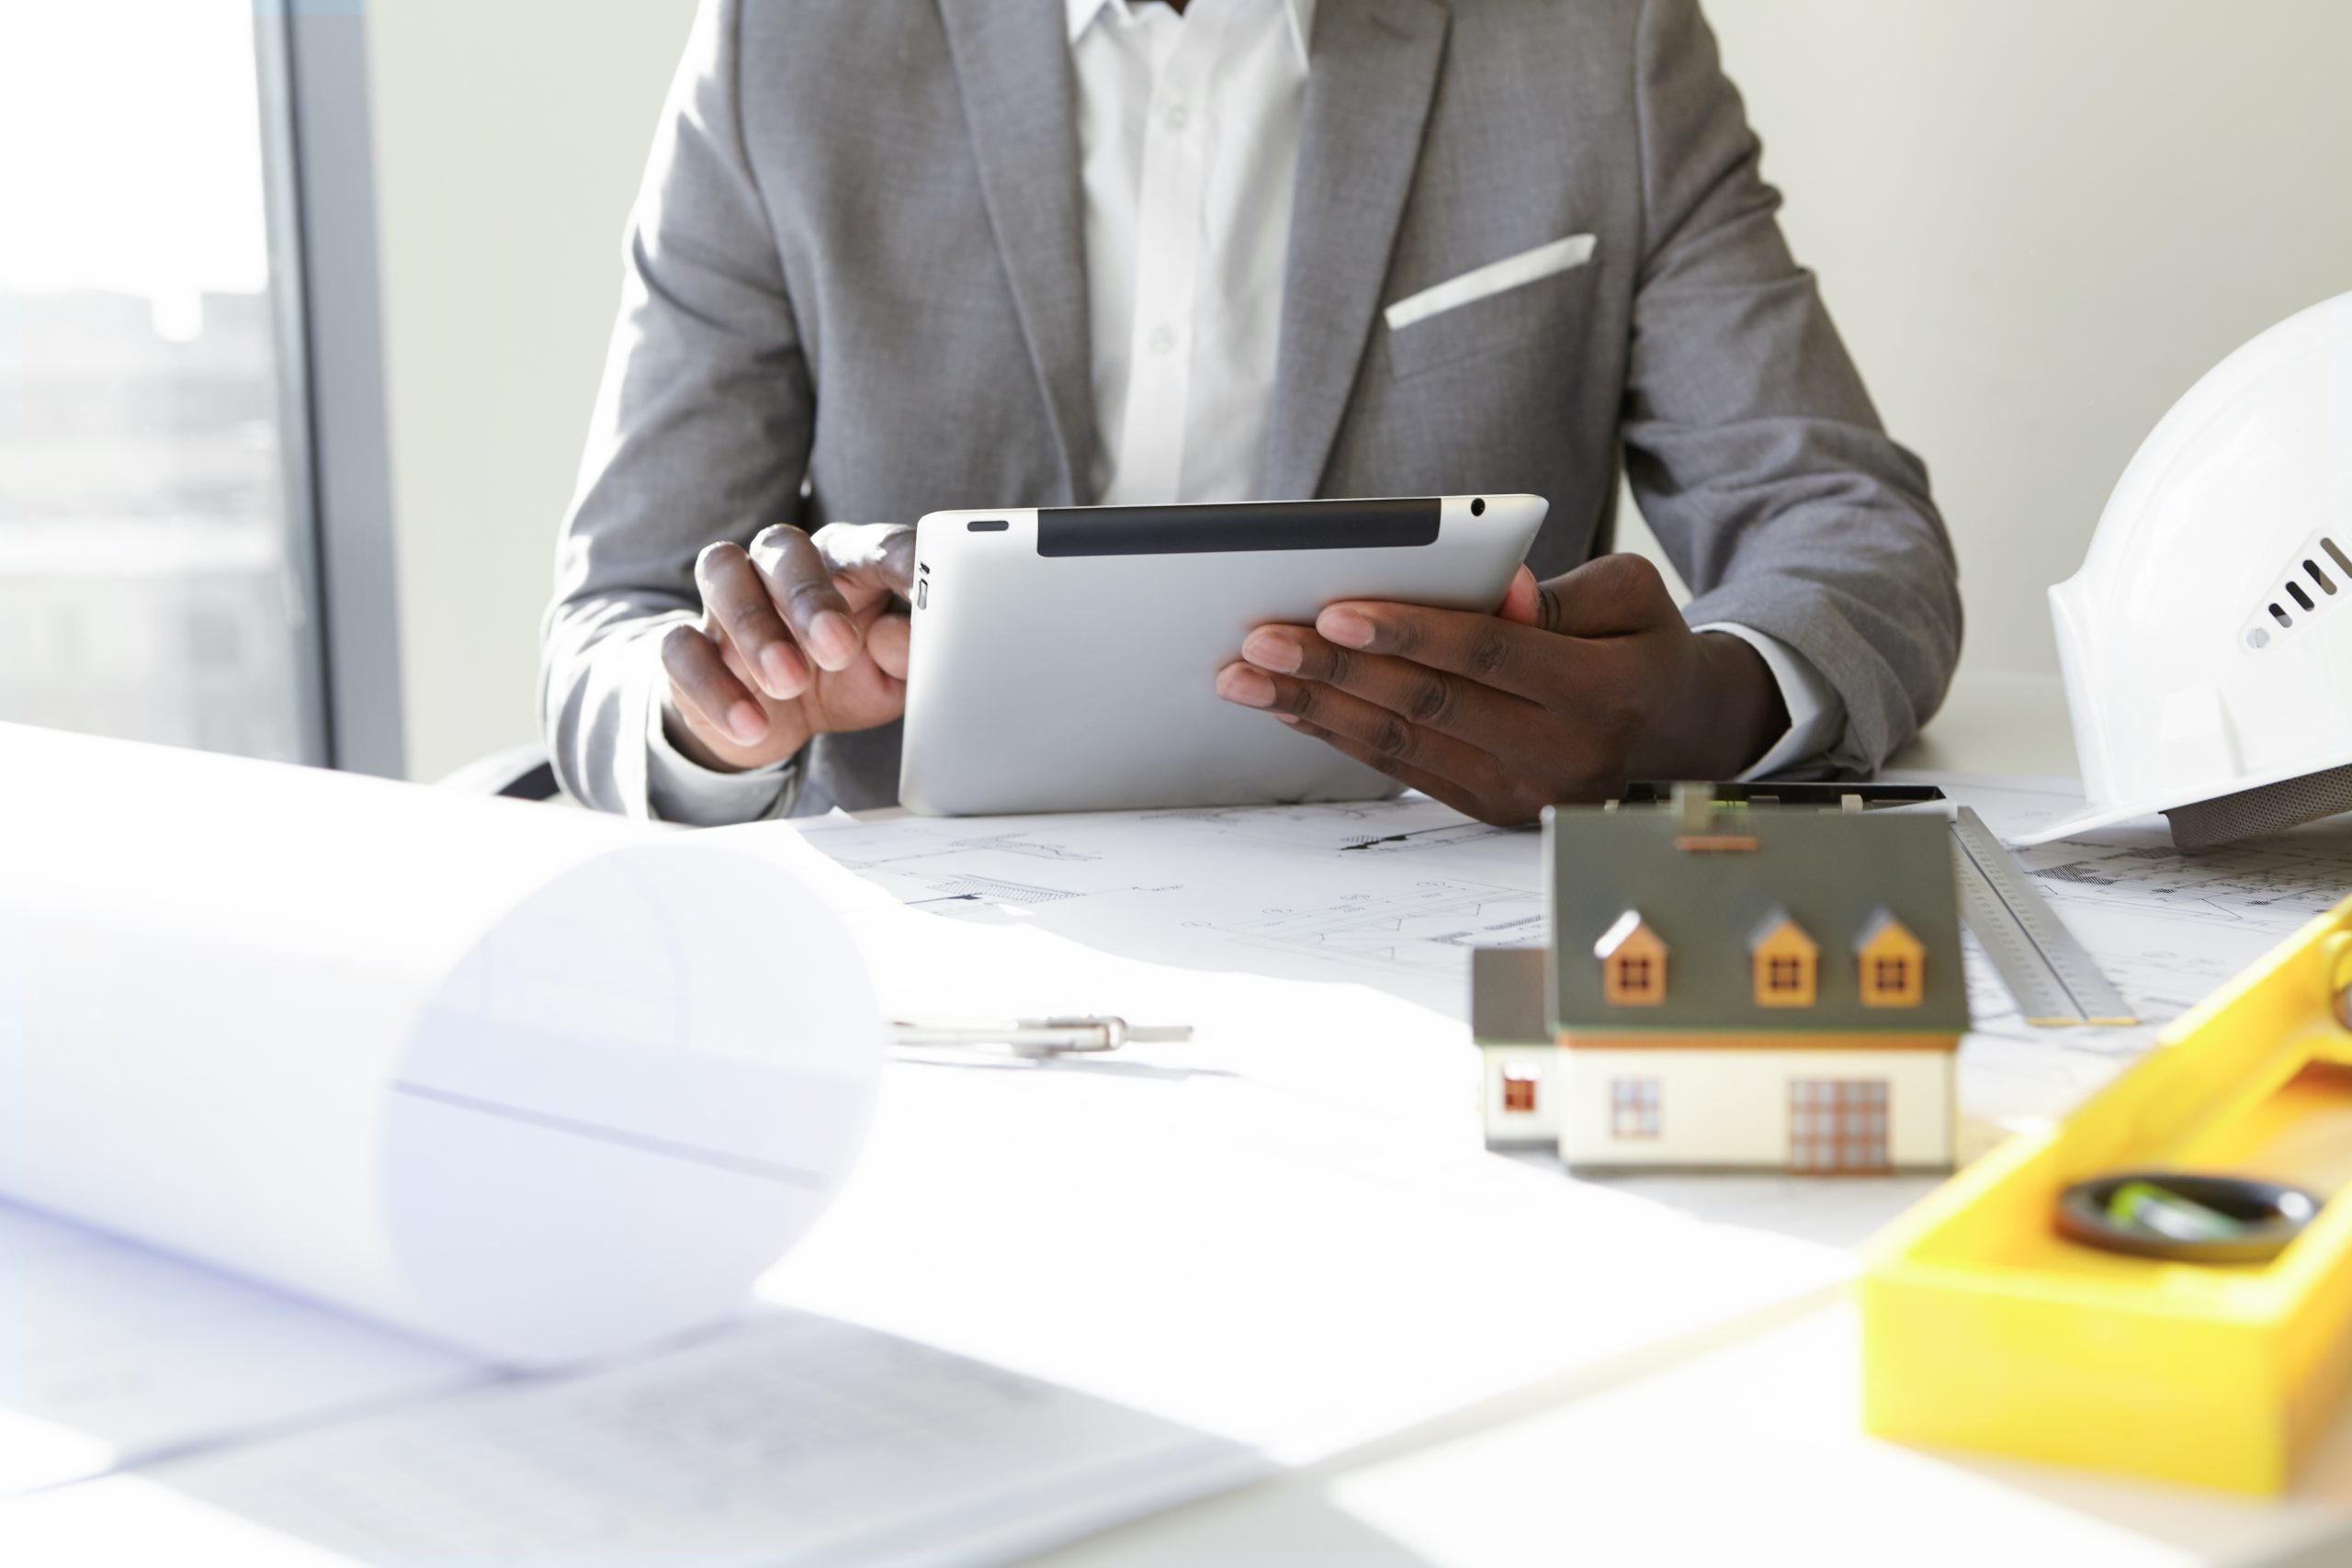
(1188, 134)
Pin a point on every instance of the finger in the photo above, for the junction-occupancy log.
(1492, 651)
(737, 665)
(700, 681)
(859, 697)
(1608, 596)
(1613, 596)
(1507, 813)
(1384, 732)
(737, 605)
(799, 584)
(869, 561)
(1453, 704)
(1522, 601)
(888, 639)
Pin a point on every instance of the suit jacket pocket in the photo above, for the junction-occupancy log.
(1487, 308)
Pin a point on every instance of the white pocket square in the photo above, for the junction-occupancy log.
(1511, 272)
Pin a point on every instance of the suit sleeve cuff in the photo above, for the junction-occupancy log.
(1817, 716)
(681, 790)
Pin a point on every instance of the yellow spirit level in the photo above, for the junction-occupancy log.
(1984, 1327)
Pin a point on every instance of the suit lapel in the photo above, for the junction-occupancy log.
(1373, 70)
(1013, 65)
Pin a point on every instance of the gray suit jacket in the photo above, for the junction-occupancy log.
(855, 290)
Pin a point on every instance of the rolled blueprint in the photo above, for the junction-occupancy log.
(538, 1084)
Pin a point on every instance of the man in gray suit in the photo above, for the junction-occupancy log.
(895, 258)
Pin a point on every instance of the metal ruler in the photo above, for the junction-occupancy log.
(2045, 968)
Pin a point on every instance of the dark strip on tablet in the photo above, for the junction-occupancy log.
(1208, 530)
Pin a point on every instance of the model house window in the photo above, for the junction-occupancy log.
(1892, 962)
(1632, 963)
(1786, 962)
(1519, 1086)
(1633, 1108)
(1837, 1125)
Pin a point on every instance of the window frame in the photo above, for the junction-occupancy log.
(1831, 1118)
(310, 67)
(1636, 1110)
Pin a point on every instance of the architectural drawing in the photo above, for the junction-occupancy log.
(1429, 926)
(1392, 893)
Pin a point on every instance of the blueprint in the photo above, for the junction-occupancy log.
(2167, 926)
(1393, 893)
(1389, 894)
(789, 1438)
(112, 1354)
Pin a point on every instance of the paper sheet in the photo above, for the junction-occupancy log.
(1392, 895)
(792, 1439)
(112, 1354)
(1388, 894)
(2166, 926)
(1258, 1262)
(507, 1077)
(1330, 985)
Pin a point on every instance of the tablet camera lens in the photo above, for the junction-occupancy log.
(1477, 506)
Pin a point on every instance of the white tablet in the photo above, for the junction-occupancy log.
(1066, 659)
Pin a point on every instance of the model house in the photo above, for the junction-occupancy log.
(1727, 987)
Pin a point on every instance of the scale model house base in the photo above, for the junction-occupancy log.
(1740, 988)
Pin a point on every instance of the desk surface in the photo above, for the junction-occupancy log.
(1709, 1458)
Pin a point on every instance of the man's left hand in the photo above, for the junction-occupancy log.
(1573, 688)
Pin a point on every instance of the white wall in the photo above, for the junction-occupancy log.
(510, 135)
(2037, 221)
(1731, 1107)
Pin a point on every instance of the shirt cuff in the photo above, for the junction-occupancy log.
(681, 790)
(1817, 716)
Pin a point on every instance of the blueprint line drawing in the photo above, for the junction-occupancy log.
(1392, 893)
(1429, 927)
(960, 888)
(2276, 882)
(1433, 837)
(859, 846)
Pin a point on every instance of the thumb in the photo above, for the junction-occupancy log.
(1608, 596)
(1522, 601)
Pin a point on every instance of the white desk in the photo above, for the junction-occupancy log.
(1750, 1452)
(1685, 1427)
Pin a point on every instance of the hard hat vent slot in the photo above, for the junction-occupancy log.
(2307, 586)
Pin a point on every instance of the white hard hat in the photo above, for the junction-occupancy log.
(2206, 641)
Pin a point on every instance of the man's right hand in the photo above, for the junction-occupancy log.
(799, 636)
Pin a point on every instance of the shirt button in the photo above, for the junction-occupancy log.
(1178, 117)
(1163, 339)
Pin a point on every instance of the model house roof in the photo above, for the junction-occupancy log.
(1777, 920)
(1507, 999)
(1622, 932)
(1711, 891)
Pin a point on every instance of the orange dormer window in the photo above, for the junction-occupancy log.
(1893, 964)
(1632, 963)
(1785, 961)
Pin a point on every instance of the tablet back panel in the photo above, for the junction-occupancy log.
(1066, 660)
